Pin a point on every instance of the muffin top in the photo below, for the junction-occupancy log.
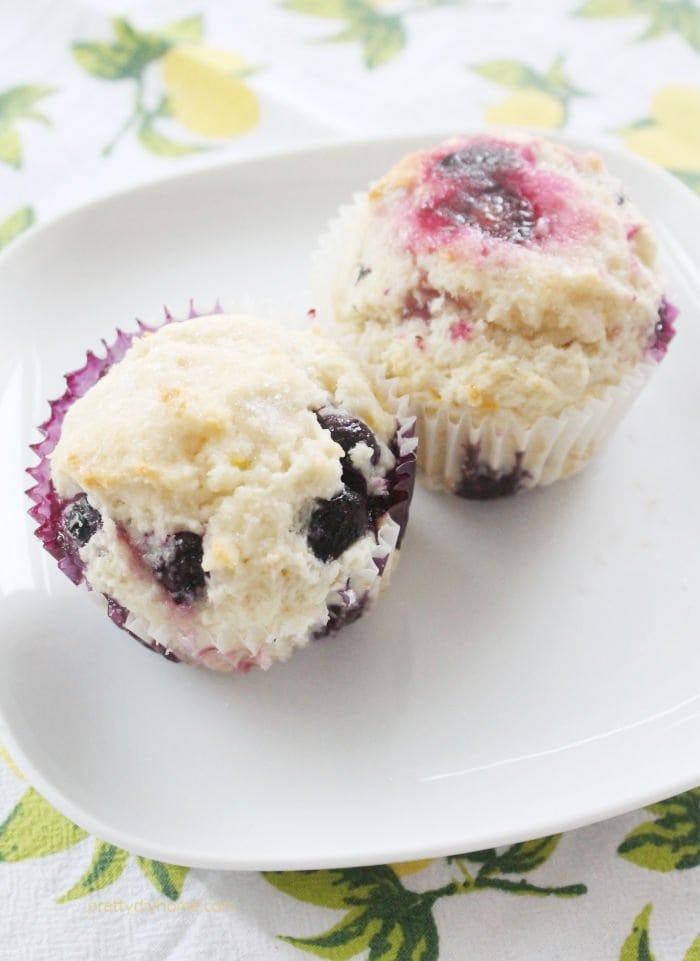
(221, 447)
(506, 275)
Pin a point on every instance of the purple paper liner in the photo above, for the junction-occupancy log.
(401, 481)
(48, 507)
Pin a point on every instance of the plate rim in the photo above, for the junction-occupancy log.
(636, 797)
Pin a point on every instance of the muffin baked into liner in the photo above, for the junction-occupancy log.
(173, 634)
(480, 444)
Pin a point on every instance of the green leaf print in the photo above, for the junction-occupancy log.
(556, 82)
(526, 856)
(17, 104)
(344, 940)
(636, 946)
(34, 829)
(108, 863)
(188, 30)
(381, 36)
(609, 8)
(383, 40)
(10, 145)
(671, 842)
(507, 73)
(393, 923)
(127, 59)
(331, 9)
(168, 879)
(341, 888)
(164, 146)
(434, 4)
(15, 224)
(134, 50)
(693, 952)
(519, 858)
(117, 61)
(665, 16)
(681, 17)
(522, 79)
(104, 61)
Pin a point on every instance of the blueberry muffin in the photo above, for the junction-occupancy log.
(230, 487)
(508, 286)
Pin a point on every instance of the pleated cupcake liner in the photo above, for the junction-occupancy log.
(345, 603)
(486, 460)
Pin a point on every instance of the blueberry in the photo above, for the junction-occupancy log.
(479, 481)
(354, 479)
(81, 520)
(348, 431)
(179, 567)
(664, 330)
(481, 162)
(500, 212)
(336, 524)
(485, 193)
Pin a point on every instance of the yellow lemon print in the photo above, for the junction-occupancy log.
(530, 108)
(206, 93)
(10, 763)
(677, 109)
(403, 868)
(673, 138)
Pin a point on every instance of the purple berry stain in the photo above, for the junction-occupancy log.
(179, 567)
(418, 303)
(664, 331)
(479, 481)
(481, 189)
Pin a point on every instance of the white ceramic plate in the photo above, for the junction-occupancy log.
(535, 666)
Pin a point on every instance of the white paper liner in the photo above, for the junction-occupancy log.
(552, 449)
